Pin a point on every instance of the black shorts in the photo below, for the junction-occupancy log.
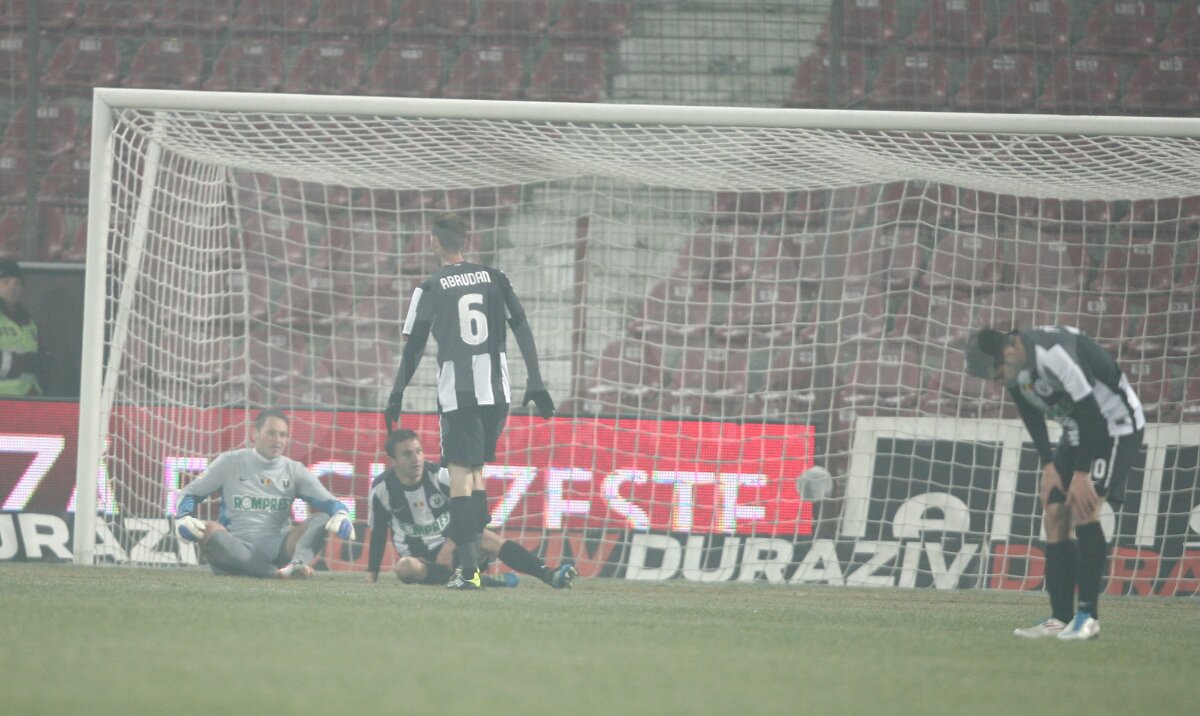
(431, 578)
(469, 434)
(1109, 473)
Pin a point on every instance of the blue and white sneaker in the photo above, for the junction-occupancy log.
(504, 579)
(1083, 627)
(562, 577)
(1047, 627)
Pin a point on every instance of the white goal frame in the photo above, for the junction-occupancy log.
(96, 391)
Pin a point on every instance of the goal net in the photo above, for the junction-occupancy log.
(750, 320)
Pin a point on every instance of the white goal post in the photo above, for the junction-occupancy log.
(696, 274)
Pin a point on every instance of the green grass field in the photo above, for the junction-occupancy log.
(147, 641)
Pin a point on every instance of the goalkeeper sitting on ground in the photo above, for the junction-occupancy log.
(255, 536)
(412, 497)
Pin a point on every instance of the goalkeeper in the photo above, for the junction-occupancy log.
(255, 536)
(411, 498)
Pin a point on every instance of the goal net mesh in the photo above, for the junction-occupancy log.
(717, 309)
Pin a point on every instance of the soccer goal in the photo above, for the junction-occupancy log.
(750, 320)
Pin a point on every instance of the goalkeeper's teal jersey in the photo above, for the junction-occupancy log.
(256, 493)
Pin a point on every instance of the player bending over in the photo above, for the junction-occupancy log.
(411, 498)
(255, 536)
(1064, 374)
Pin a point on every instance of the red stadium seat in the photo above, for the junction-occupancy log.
(14, 63)
(810, 259)
(486, 71)
(628, 374)
(940, 321)
(1034, 26)
(316, 297)
(1151, 381)
(57, 127)
(513, 19)
(911, 81)
(66, 180)
(869, 23)
(53, 15)
(410, 68)
(569, 73)
(1189, 272)
(268, 239)
(268, 16)
(750, 209)
(591, 20)
(1052, 260)
(1169, 327)
(359, 362)
(14, 174)
(917, 201)
(362, 242)
(276, 355)
(486, 205)
(1096, 213)
(12, 234)
(172, 63)
(381, 316)
(966, 262)
(812, 82)
(998, 83)
(887, 377)
(1018, 308)
(862, 316)
(361, 17)
(797, 385)
(433, 17)
(889, 257)
(52, 234)
(1136, 264)
(1189, 407)
(950, 391)
(711, 381)
(1120, 26)
(762, 311)
(81, 63)
(707, 255)
(248, 65)
(207, 17)
(1182, 34)
(1101, 316)
(1081, 84)
(333, 67)
(107, 16)
(76, 252)
(1164, 85)
(676, 310)
(951, 25)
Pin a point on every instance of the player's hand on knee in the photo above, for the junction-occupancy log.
(189, 528)
(543, 401)
(341, 526)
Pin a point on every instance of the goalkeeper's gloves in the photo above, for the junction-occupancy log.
(543, 401)
(341, 526)
(189, 528)
(392, 412)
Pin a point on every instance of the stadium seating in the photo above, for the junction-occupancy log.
(887, 257)
(917, 201)
(248, 65)
(810, 259)
(676, 310)
(433, 17)
(267, 16)
(116, 16)
(1148, 213)
(333, 67)
(486, 71)
(1052, 259)
(1151, 380)
(276, 356)
(950, 25)
(885, 379)
(1169, 327)
(1090, 214)
(14, 63)
(1136, 263)
(706, 254)
(950, 391)
(591, 20)
(268, 238)
(380, 316)
(14, 174)
(210, 16)
(406, 68)
(12, 234)
(628, 374)
(1120, 26)
(52, 235)
(76, 251)
(1102, 316)
(171, 62)
(1188, 410)
(998, 83)
(869, 23)
(1034, 26)
(747, 209)
(711, 381)
(1081, 84)
(812, 82)
(359, 362)
(569, 73)
(964, 262)
(316, 298)
(485, 206)
(911, 81)
(1164, 85)
(939, 321)
(53, 15)
(797, 386)
(361, 17)
(356, 242)
(66, 180)
(862, 316)
(1182, 33)
(1189, 272)
(763, 311)
(57, 127)
(81, 63)
(1018, 308)
(511, 19)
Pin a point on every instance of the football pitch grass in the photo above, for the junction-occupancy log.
(173, 641)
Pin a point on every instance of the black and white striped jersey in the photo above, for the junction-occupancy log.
(466, 307)
(416, 516)
(1069, 378)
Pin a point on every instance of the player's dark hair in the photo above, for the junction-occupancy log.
(261, 419)
(396, 437)
(985, 352)
(451, 232)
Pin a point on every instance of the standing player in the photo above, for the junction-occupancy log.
(465, 306)
(1064, 374)
(255, 536)
(411, 497)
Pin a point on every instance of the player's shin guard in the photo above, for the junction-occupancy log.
(1093, 557)
(463, 523)
(522, 560)
(1060, 579)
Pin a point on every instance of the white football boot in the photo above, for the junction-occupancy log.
(1083, 627)
(1047, 627)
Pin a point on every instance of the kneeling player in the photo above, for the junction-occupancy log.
(255, 536)
(412, 498)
